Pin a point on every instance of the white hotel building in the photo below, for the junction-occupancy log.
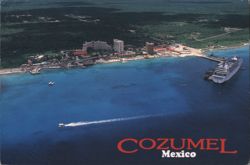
(118, 46)
(96, 45)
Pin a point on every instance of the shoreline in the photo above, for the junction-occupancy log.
(8, 71)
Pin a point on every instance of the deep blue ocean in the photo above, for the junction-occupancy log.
(166, 97)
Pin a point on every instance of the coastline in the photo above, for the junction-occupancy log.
(8, 71)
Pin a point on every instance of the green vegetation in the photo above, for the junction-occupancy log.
(194, 34)
(43, 26)
(166, 6)
(9, 31)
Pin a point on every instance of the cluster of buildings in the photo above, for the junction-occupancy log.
(118, 47)
(102, 49)
(103, 53)
(96, 45)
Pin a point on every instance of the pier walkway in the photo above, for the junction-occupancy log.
(213, 58)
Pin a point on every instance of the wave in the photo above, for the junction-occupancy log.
(86, 123)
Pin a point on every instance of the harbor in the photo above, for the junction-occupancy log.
(105, 54)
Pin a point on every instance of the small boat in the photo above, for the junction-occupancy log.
(61, 125)
(51, 83)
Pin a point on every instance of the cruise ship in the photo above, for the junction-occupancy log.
(226, 69)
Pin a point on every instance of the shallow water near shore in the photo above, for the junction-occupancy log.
(165, 97)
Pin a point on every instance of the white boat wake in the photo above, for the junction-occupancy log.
(86, 123)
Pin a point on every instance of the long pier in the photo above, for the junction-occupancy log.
(213, 58)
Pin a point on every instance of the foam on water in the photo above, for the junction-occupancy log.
(86, 123)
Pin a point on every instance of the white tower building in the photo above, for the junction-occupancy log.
(118, 45)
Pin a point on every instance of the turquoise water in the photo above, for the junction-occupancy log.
(167, 95)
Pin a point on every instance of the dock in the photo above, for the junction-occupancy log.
(213, 58)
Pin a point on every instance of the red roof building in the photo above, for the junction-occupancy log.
(80, 53)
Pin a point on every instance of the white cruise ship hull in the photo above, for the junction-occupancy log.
(222, 79)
